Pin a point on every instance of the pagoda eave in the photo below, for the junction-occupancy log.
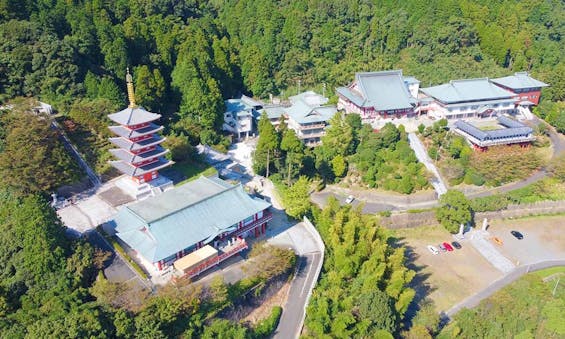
(128, 133)
(133, 171)
(137, 145)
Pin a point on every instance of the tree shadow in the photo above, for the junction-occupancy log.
(420, 285)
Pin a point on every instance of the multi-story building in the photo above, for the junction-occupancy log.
(169, 226)
(238, 118)
(526, 89)
(308, 116)
(467, 98)
(380, 95)
(140, 155)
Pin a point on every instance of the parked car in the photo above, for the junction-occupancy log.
(441, 247)
(433, 249)
(447, 246)
(497, 240)
(517, 235)
(456, 245)
(349, 199)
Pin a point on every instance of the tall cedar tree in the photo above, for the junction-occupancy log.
(267, 145)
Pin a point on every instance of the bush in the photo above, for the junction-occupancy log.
(473, 178)
(267, 326)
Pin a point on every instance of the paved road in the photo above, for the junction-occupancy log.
(292, 318)
(375, 203)
(476, 298)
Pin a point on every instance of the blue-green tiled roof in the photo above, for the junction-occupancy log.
(163, 225)
(520, 80)
(468, 90)
(382, 90)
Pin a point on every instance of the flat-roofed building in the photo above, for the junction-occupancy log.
(466, 98)
(375, 95)
(206, 211)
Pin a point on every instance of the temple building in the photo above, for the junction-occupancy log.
(466, 98)
(510, 132)
(309, 116)
(526, 89)
(139, 153)
(203, 221)
(380, 95)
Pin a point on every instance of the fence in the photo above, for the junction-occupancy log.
(410, 220)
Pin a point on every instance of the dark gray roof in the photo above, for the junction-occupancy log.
(127, 133)
(384, 91)
(135, 158)
(520, 80)
(510, 132)
(131, 170)
(467, 90)
(510, 123)
(133, 116)
(200, 210)
(134, 146)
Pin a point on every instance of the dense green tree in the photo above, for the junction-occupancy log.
(454, 210)
(267, 147)
(33, 159)
(294, 153)
(297, 198)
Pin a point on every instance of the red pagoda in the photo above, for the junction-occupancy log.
(139, 151)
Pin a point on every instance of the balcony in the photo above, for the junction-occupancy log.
(267, 216)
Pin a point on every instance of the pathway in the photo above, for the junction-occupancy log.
(423, 157)
(478, 239)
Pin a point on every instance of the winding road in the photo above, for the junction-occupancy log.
(375, 202)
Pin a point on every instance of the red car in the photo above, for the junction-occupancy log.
(447, 246)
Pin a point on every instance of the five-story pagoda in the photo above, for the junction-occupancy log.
(139, 151)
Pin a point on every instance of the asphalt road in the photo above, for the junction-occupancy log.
(290, 324)
(369, 207)
(379, 204)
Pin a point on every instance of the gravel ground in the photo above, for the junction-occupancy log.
(544, 238)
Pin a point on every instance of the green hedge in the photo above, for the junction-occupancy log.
(266, 327)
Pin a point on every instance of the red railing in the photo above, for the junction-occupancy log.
(234, 249)
(267, 216)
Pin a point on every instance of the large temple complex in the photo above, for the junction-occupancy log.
(180, 226)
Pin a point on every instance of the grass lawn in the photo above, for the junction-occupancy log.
(192, 170)
(549, 271)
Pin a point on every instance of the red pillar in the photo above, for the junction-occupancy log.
(159, 265)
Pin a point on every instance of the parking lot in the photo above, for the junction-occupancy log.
(544, 238)
(450, 277)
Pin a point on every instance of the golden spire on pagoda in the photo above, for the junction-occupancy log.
(131, 93)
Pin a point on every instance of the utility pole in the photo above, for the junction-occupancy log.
(299, 81)
(324, 89)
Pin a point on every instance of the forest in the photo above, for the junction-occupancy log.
(187, 57)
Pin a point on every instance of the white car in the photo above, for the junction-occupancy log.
(349, 199)
(433, 249)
